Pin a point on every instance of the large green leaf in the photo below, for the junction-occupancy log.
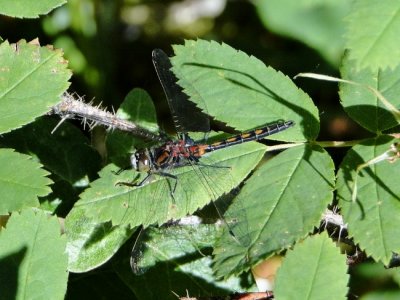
(279, 204)
(373, 219)
(314, 269)
(21, 181)
(152, 202)
(175, 260)
(28, 8)
(361, 104)
(241, 91)
(372, 34)
(317, 23)
(32, 80)
(90, 244)
(33, 262)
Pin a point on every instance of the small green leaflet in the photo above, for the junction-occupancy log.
(314, 269)
(21, 181)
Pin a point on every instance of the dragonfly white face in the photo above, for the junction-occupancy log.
(141, 160)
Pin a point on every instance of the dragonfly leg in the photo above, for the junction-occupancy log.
(213, 166)
(165, 174)
(121, 170)
(147, 178)
(132, 183)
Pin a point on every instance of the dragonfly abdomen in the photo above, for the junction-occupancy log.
(253, 135)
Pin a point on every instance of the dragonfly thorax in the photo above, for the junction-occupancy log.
(171, 154)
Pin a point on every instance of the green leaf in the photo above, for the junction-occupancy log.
(279, 204)
(66, 152)
(33, 263)
(223, 81)
(316, 23)
(21, 181)
(362, 105)
(176, 258)
(139, 109)
(32, 79)
(372, 34)
(152, 202)
(91, 244)
(314, 269)
(28, 8)
(372, 219)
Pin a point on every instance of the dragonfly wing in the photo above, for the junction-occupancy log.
(186, 115)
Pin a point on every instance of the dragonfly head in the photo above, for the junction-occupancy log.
(141, 161)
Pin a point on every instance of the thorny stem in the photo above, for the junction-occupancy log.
(73, 107)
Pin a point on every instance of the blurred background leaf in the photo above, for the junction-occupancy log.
(373, 30)
(316, 23)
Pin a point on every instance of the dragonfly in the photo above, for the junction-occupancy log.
(174, 154)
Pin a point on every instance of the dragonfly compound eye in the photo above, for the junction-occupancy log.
(141, 161)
